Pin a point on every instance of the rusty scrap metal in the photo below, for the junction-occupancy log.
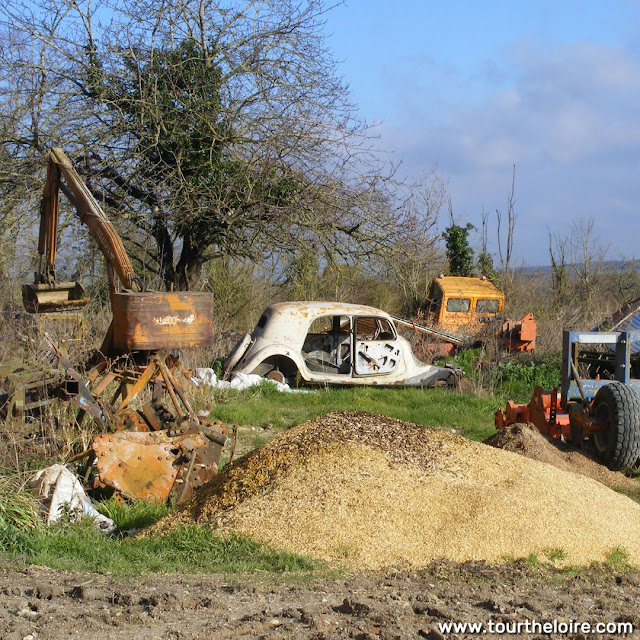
(152, 453)
(435, 333)
(26, 389)
(154, 466)
(83, 398)
(152, 321)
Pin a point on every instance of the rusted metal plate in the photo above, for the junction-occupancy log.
(152, 466)
(139, 465)
(199, 469)
(152, 321)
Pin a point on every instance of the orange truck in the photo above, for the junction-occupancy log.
(466, 306)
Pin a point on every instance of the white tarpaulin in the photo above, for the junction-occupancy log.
(60, 492)
(239, 381)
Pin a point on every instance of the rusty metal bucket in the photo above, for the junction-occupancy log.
(51, 298)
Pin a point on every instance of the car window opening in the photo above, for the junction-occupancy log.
(327, 346)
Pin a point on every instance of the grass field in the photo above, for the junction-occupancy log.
(466, 414)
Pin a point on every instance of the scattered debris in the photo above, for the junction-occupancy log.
(239, 381)
(61, 494)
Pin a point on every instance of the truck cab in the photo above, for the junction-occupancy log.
(462, 304)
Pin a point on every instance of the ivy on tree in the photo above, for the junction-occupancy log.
(459, 251)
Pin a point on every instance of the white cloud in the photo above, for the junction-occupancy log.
(569, 121)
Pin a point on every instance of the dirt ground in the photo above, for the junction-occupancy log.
(40, 604)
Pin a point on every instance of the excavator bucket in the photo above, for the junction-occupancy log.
(51, 298)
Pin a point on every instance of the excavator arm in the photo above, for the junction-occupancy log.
(90, 214)
(142, 320)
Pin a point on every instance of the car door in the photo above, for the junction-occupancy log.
(376, 346)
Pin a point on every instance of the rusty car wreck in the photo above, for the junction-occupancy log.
(320, 343)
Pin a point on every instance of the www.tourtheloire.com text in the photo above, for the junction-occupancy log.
(536, 626)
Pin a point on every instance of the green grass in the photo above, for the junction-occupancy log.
(129, 516)
(80, 545)
(618, 559)
(467, 414)
(556, 554)
(17, 508)
(634, 494)
(188, 549)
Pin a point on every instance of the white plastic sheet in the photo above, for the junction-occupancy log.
(60, 492)
(239, 381)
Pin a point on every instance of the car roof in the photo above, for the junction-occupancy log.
(315, 309)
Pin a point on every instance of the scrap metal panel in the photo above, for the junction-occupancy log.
(152, 321)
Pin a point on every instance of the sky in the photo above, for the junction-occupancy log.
(475, 87)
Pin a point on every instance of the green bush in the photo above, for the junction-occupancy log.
(532, 374)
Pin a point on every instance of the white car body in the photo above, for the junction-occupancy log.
(332, 343)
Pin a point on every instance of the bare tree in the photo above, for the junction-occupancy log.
(505, 241)
(587, 255)
(416, 257)
(559, 271)
(210, 127)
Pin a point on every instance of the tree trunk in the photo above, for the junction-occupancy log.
(189, 267)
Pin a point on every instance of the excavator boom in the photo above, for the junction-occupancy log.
(61, 175)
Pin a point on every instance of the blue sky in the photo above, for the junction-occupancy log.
(475, 87)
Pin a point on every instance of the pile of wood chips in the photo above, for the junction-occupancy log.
(525, 439)
(370, 491)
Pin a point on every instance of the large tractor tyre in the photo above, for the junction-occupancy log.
(617, 405)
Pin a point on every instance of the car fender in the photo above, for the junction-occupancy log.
(269, 351)
(237, 352)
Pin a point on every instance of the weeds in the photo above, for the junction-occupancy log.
(618, 559)
(532, 560)
(555, 555)
(634, 494)
(516, 377)
(131, 516)
(17, 507)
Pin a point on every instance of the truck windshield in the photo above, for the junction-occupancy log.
(487, 306)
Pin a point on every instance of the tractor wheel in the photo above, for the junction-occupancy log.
(617, 405)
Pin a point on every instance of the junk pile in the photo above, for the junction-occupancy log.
(154, 452)
(370, 491)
